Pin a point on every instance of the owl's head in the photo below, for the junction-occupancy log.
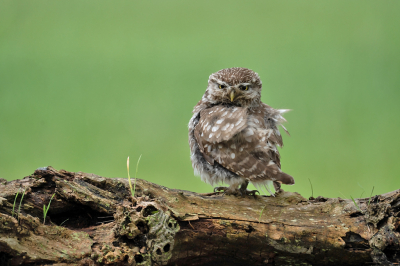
(234, 86)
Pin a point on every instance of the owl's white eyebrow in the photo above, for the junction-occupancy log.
(219, 82)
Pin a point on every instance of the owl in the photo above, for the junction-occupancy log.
(233, 136)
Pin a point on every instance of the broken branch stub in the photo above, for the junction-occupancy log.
(94, 220)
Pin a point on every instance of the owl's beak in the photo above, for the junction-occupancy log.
(232, 96)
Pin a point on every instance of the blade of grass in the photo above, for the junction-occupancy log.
(45, 210)
(369, 201)
(129, 178)
(362, 189)
(20, 202)
(355, 203)
(64, 222)
(137, 166)
(15, 200)
(312, 190)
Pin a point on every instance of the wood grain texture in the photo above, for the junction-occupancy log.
(94, 220)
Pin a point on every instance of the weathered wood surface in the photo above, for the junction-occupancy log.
(93, 220)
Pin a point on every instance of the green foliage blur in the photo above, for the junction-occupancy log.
(85, 84)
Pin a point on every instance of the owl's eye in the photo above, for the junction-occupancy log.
(244, 88)
(221, 86)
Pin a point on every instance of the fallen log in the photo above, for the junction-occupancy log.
(93, 220)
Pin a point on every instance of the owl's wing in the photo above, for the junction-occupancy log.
(251, 154)
(217, 124)
(221, 123)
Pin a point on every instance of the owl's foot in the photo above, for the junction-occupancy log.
(250, 192)
(277, 187)
(243, 190)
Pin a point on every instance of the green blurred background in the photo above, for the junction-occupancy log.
(85, 84)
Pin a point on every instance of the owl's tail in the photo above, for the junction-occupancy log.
(274, 186)
(284, 178)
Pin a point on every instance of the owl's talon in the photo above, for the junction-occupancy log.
(243, 190)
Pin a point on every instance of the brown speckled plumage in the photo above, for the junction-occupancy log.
(233, 136)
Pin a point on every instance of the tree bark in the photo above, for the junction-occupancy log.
(94, 220)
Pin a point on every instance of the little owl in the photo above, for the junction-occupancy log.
(233, 136)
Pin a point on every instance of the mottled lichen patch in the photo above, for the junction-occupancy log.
(376, 213)
(384, 237)
(127, 221)
(148, 230)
